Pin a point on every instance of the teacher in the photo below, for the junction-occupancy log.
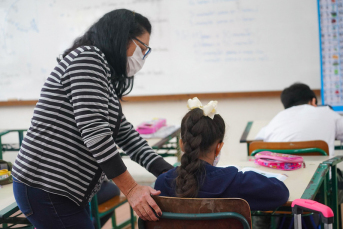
(77, 124)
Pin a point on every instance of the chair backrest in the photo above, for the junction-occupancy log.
(291, 146)
(196, 206)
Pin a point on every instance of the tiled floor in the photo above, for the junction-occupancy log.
(122, 213)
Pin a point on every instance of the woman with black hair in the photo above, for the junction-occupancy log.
(71, 145)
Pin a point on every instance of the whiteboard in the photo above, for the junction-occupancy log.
(198, 46)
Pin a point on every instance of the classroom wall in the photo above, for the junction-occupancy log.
(236, 112)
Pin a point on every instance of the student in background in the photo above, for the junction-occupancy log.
(202, 134)
(303, 120)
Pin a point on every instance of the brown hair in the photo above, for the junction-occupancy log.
(198, 134)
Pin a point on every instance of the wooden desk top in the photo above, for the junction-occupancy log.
(297, 180)
(159, 142)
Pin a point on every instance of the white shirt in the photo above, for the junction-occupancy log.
(304, 123)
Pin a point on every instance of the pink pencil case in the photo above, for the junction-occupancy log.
(279, 160)
(151, 126)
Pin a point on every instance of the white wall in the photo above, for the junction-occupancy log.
(236, 113)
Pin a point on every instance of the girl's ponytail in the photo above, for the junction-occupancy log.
(186, 181)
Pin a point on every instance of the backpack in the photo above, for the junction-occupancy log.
(279, 160)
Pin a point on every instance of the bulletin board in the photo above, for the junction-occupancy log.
(331, 47)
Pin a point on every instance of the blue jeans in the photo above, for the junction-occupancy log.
(50, 211)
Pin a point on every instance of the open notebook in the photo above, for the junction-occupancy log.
(279, 176)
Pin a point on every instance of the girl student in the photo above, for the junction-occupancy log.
(202, 134)
(71, 145)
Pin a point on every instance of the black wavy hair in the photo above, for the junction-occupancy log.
(297, 94)
(198, 133)
(111, 34)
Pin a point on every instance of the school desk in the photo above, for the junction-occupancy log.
(308, 183)
(297, 180)
(253, 127)
(251, 130)
(167, 146)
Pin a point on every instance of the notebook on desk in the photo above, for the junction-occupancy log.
(279, 176)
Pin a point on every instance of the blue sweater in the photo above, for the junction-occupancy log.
(260, 192)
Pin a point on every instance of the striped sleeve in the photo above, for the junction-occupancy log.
(138, 149)
(87, 89)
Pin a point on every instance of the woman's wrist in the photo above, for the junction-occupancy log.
(129, 191)
(125, 182)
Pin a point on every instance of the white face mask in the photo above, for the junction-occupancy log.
(135, 62)
(216, 160)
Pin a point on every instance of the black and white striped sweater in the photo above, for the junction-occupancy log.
(70, 147)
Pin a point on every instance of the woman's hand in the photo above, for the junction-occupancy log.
(139, 198)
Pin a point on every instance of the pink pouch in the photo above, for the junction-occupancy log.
(151, 126)
(279, 160)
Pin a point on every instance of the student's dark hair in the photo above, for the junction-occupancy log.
(198, 133)
(297, 94)
(111, 34)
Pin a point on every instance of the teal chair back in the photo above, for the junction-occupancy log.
(292, 151)
(202, 213)
(303, 148)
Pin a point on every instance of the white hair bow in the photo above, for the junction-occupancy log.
(209, 110)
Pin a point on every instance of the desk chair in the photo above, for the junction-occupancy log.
(197, 213)
(99, 211)
(305, 148)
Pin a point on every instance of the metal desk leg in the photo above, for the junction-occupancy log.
(334, 189)
(21, 137)
(248, 144)
(334, 197)
(0, 149)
